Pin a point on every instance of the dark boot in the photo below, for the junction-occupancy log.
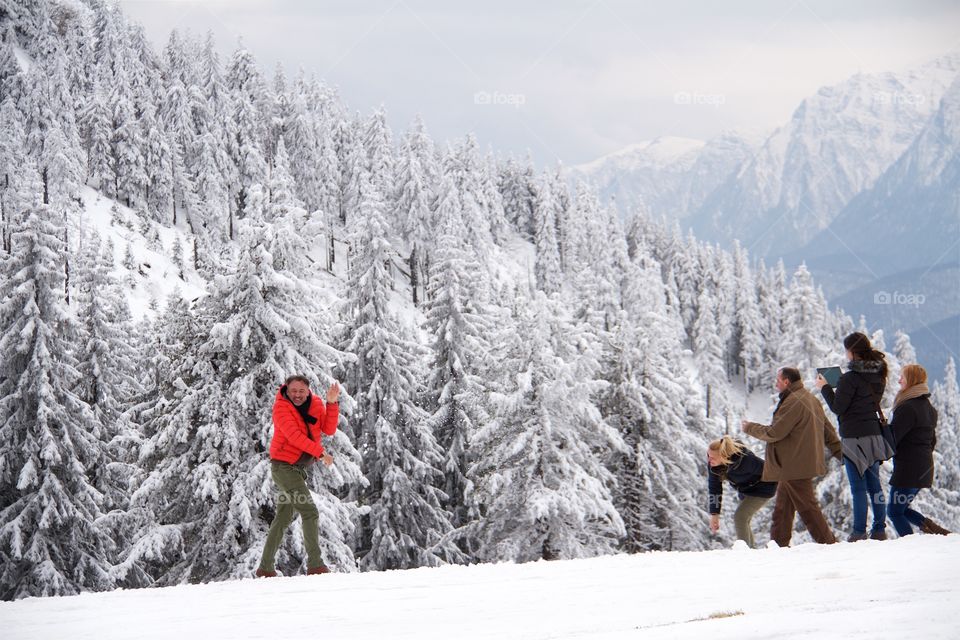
(856, 537)
(317, 570)
(266, 574)
(929, 526)
(879, 534)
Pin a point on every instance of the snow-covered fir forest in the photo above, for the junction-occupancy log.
(528, 372)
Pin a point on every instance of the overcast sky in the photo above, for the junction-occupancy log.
(571, 80)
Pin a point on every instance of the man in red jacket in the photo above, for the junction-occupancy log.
(298, 420)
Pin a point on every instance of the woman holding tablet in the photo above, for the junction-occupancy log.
(856, 402)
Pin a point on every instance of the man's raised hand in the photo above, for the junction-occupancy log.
(333, 393)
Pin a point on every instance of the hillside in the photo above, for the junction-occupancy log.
(526, 375)
(848, 591)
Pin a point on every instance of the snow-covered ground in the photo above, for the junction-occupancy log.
(899, 588)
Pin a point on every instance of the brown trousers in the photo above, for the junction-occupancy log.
(796, 496)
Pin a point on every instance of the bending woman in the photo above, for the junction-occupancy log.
(914, 427)
(731, 461)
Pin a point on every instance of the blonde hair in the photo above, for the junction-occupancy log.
(913, 374)
(725, 448)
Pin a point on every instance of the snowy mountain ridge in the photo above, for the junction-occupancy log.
(835, 146)
(838, 142)
(657, 153)
(667, 176)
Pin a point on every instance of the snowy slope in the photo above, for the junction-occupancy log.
(898, 588)
(155, 276)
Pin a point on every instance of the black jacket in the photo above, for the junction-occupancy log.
(743, 473)
(855, 400)
(914, 427)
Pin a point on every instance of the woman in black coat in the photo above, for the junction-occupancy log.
(856, 402)
(914, 428)
(730, 460)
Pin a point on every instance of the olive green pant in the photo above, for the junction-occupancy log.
(294, 497)
(748, 507)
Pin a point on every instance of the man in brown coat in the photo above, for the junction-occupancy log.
(795, 443)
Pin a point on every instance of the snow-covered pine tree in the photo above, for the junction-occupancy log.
(127, 144)
(946, 398)
(596, 256)
(113, 379)
(284, 205)
(493, 201)
(218, 127)
(806, 338)
(352, 163)
(9, 67)
(660, 478)
(903, 349)
(720, 271)
(547, 265)
(415, 172)
(463, 164)
(159, 164)
(97, 125)
(519, 195)
(621, 405)
(279, 117)
(51, 540)
(13, 192)
(708, 352)
(164, 527)
(304, 146)
(327, 168)
(275, 326)
(247, 92)
(686, 267)
(748, 336)
(111, 375)
(543, 488)
(459, 331)
(378, 146)
(405, 525)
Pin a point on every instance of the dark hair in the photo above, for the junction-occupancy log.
(297, 378)
(790, 374)
(859, 345)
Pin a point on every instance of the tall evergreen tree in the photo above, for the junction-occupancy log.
(415, 172)
(247, 93)
(405, 522)
(748, 336)
(51, 540)
(459, 331)
(541, 482)
(547, 266)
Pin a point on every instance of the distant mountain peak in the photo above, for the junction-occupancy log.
(661, 150)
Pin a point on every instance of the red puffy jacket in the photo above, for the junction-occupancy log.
(290, 435)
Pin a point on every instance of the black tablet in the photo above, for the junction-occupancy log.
(830, 374)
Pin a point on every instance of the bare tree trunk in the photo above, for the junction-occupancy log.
(414, 275)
